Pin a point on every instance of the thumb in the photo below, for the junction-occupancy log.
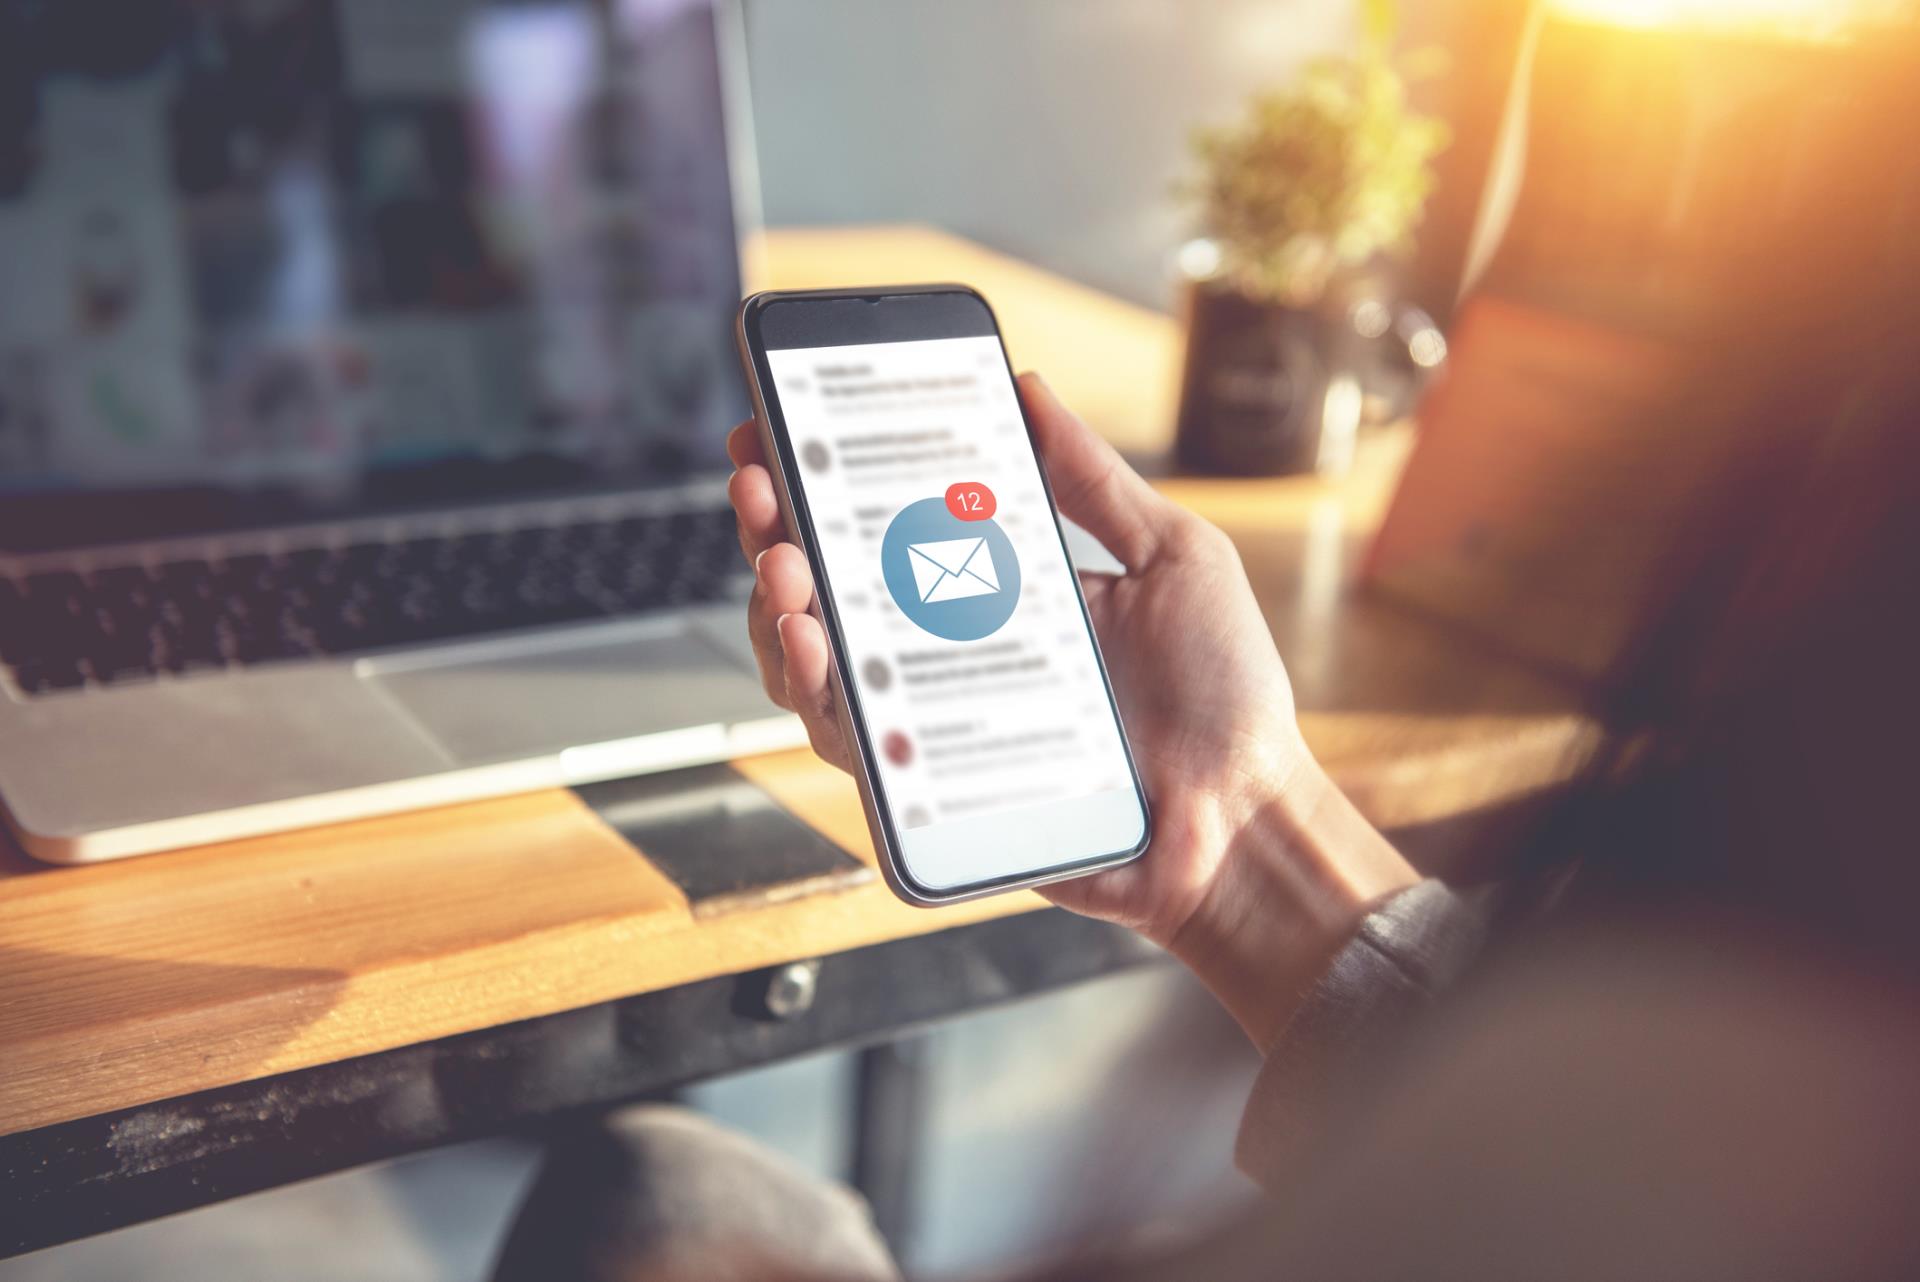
(1091, 482)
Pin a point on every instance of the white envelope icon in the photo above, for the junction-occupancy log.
(952, 569)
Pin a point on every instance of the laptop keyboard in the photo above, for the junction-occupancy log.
(64, 630)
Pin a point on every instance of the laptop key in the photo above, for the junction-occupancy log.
(58, 595)
(246, 576)
(43, 676)
(241, 640)
(51, 627)
(129, 583)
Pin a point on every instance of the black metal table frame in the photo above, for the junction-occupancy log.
(75, 1179)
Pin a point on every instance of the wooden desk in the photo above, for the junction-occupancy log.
(126, 984)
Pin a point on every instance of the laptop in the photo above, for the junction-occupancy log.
(365, 370)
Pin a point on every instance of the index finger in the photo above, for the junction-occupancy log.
(743, 444)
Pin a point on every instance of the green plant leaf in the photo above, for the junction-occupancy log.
(1324, 174)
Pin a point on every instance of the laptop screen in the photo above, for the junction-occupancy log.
(264, 260)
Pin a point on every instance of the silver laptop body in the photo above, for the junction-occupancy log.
(364, 373)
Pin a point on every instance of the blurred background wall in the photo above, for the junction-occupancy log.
(956, 113)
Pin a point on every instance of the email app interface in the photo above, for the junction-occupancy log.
(979, 682)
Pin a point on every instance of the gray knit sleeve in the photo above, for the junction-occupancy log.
(1405, 952)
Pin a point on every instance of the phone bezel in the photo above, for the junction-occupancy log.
(885, 315)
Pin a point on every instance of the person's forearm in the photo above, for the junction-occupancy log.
(1302, 871)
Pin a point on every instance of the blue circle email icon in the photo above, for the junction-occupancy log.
(957, 579)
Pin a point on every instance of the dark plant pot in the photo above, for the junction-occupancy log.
(1267, 390)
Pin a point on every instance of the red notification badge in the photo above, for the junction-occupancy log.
(971, 501)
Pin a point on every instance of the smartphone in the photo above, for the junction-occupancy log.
(986, 740)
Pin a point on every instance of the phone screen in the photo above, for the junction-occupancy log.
(992, 736)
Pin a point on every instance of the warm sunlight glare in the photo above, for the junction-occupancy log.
(1816, 19)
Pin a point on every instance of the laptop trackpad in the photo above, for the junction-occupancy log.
(503, 703)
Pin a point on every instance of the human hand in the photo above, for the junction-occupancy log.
(1204, 696)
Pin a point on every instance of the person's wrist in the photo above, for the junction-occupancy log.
(1300, 870)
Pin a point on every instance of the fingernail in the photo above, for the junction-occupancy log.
(758, 559)
(780, 624)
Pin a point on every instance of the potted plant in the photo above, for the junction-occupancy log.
(1311, 189)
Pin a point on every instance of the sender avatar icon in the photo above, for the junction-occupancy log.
(957, 579)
